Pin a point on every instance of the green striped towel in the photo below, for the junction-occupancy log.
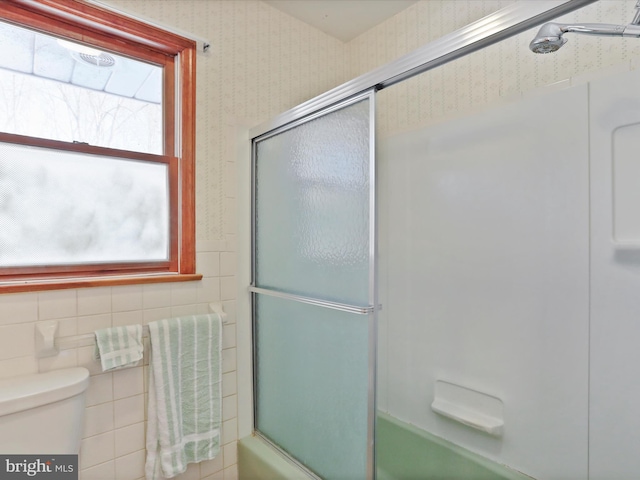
(119, 347)
(184, 409)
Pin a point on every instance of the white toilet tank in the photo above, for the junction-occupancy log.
(43, 413)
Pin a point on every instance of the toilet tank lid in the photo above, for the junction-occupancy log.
(31, 391)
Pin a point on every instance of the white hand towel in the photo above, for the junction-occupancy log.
(184, 410)
(119, 347)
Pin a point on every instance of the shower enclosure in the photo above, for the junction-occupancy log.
(314, 290)
(444, 269)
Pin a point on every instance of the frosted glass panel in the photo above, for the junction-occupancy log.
(312, 378)
(68, 208)
(312, 191)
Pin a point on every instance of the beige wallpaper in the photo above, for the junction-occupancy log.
(261, 62)
(414, 27)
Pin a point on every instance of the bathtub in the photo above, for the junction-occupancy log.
(407, 452)
(404, 453)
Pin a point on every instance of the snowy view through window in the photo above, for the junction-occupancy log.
(64, 208)
(59, 207)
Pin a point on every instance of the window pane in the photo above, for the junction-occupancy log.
(68, 208)
(64, 91)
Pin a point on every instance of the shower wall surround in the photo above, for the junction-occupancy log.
(485, 244)
(484, 239)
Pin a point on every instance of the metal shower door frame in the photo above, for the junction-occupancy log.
(370, 310)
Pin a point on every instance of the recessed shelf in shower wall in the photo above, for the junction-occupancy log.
(626, 195)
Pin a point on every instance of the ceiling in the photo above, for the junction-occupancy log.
(342, 19)
(43, 56)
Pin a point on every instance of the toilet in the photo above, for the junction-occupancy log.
(43, 413)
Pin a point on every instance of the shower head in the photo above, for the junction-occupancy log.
(550, 36)
(549, 39)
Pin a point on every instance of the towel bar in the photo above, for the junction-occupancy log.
(88, 339)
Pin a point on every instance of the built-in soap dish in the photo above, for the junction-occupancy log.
(469, 407)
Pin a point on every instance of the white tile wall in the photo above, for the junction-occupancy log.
(65, 359)
(17, 340)
(98, 419)
(211, 467)
(114, 431)
(156, 295)
(92, 301)
(102, 471)
(57, 304)
(18, 308)
(131, 466)
(127, 383)
(100, 389)
(128, 439)
(97, 449)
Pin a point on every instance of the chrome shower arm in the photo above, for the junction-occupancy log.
(594, 29)
(602, 29)
(632, 30)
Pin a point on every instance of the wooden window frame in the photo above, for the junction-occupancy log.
(87, 23)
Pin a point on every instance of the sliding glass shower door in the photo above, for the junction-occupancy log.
(314, 290)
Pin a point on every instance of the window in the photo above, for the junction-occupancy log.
(97, 134)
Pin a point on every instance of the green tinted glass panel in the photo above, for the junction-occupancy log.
(312, 374)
